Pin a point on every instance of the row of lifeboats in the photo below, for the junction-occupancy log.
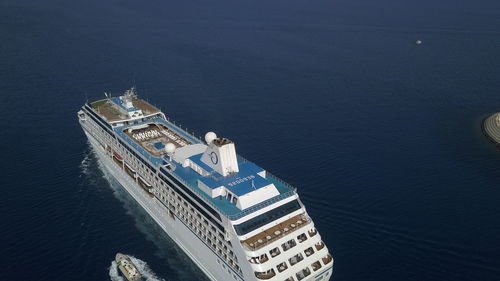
(133, 174)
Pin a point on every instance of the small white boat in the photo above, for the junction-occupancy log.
(127, 268)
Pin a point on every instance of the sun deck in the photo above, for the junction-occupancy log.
(112, 111)
(170, 128)
(154, 136)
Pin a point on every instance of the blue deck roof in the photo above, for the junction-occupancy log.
(240, 183)
(190, 177)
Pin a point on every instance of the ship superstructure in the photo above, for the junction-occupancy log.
(234, 219)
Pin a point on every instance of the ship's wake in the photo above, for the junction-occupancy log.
(179, 266)
(146, 272)
(86, 166)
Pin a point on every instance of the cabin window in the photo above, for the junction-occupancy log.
(302, 237)
(309, 251)
(274, 252)
(295, 259)
(282, 266)
(288, 245)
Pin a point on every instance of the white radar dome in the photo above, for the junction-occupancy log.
(210, 136)
(170, 148)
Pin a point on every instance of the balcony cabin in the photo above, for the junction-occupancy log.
(327, 259)
(265, 275)
(303, 273)
(315, 266)
(309, 251)
(274, 252)
(282, 267)
(320, 245)
(302, 237)
(295, 259)
(312, 232)
(288, 245)
(259, 260)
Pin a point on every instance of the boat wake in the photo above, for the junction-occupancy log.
(142, 266)
(113, 272)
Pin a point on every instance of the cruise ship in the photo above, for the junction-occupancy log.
(235, 220)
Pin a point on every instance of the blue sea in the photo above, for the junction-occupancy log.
(380, 135)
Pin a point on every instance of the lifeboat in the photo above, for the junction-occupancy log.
(130, 171)
(117, 156)
(146, 186)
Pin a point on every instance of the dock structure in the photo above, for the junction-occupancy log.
(491, 128)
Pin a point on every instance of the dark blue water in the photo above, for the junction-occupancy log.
(381, 136)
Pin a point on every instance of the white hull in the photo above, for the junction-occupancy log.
(199, 253)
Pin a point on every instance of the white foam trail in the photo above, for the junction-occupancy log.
(144, 269)
(88, 172)
(86, 162)
(113, 273)
(141, 265)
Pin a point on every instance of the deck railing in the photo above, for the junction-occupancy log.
(243, 213)
(269, 174)
(179, 128)
(274, 233)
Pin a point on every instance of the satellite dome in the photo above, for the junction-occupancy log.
(210, 136)
(170, 148)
